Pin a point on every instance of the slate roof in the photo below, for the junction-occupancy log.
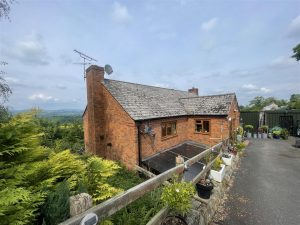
(144, 102)
(208, 105)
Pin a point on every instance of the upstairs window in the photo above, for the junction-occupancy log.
(168, 129)
(202, 126)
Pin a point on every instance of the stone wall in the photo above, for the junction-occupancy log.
(201, 213)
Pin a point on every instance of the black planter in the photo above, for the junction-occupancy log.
(204, 191)
(174, 220)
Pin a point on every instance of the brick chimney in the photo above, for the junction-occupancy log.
(95, 121)
(194, 91)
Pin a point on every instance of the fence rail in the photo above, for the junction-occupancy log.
(121, 200)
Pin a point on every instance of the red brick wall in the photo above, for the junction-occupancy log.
(109, 130)
(152, 144)
(185, 131)
(120, 132)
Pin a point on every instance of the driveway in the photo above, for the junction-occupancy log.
(266, 189)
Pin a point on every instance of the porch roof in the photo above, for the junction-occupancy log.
(166, 160)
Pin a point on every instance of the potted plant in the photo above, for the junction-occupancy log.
(259, 134)
(227, 159)
(284, 134)
(240, 133)
(217, 171)
(232, 150)
(240, 147)
(249, 128)
(254, 135)
(204, 188)
(276, 131)
(178, 197)
(264, 131)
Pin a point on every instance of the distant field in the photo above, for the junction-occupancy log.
(63, 115)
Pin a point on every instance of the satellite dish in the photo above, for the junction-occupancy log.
(108, 69)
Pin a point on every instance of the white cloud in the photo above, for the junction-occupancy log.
(42, 97)
(120, 13)
(210, 24)
(31, 50)
(164, 36)
(11, 80)
(294, 28)
(254, 89)
(61, 86)
(282, 62)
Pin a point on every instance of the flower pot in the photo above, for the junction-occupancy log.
(218, 175)
(259, 135)
(228, 160)
(264, 135)
(204, 190)
(239, 138)
(248, 135)
(254, 136)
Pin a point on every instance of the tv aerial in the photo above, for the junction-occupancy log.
(86, 61)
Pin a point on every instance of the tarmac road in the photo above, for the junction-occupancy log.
(266, 189)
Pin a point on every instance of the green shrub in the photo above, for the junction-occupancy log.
(265, 128)
(249, 127)
(240, 131)
(98, 171)
(208, 158)
(284, 134)
(217, 164)
(240, 146)
(276, 128)
(178, 196)
(139, 211)
(57, 206)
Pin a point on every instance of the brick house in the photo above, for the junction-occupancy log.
(130, 122)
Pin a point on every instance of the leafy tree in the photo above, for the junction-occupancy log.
(296, 51)
(29, 171)
(259, 102)
(5, 91)
(5, 8)
(19, 148)
(294, 101)
(61, 136)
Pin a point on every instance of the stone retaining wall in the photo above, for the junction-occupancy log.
(201, 213)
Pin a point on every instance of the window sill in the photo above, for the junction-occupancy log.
(168, 137)
(208, 133)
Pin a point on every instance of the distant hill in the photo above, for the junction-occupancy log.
(62, 115)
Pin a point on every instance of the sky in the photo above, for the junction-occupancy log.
(216, 46)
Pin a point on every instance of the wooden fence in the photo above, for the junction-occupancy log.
(121, 200)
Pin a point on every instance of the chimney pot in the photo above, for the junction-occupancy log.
(193, 91)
